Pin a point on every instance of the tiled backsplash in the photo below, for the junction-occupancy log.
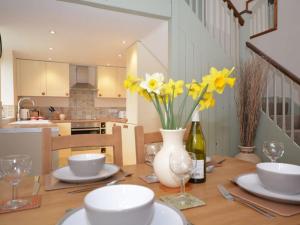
(82, 106)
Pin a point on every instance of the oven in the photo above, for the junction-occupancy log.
(88, 128)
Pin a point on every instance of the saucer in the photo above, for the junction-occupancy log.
(65, 174)
(163, 214)
(251, 183)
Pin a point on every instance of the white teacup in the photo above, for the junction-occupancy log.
(120, 204)
(86, 164)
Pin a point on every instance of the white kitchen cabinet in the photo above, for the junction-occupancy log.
(39, 78)
(57, 79)
(31, 78)
(128, 141)
(110, 82)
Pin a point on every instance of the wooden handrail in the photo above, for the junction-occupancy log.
(235, 12)
(283, 70)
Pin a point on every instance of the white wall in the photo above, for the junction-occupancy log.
(7, 77)
(240, 5)
(157, 8)
(283, 45)
(157, 42)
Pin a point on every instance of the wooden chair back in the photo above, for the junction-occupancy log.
(51, 144)
(141, 139)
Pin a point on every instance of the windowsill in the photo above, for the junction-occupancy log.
(6, 120)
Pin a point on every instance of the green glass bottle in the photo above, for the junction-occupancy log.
(196, 144)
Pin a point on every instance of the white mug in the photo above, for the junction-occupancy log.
(62, 116)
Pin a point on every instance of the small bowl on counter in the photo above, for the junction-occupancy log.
(124, 204)
(279, 177)
(86, 164)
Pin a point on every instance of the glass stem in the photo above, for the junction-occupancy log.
(14, 192)
(182, 186)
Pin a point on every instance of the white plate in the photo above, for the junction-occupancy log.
(163, 215)
(65, 174)
(250, 182)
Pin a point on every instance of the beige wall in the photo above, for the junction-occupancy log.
(7, 77)
(140, 111)
(283, 45)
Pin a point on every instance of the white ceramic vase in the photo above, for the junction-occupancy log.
(172, 141)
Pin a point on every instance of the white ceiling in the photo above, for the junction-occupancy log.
(84, 35)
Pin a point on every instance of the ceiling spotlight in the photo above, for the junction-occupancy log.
(108, 64)
(120, 55)
(50, 48)
(50, 58)
(123, 42)
(52, 31)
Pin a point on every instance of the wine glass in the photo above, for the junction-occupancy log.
(150, 152)
(273, 150)
(182, 164)
(13, 168)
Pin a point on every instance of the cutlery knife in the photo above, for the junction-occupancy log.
(36, 185)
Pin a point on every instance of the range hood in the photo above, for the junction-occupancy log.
(83, 77)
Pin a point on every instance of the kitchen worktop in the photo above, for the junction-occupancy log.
(101, 119)
(26, 128)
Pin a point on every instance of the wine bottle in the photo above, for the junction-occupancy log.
(196, 144)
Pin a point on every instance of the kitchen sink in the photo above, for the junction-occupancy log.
(24, 122)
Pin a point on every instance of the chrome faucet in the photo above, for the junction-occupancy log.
(19, 105)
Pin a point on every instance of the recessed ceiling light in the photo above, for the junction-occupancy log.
(50, 48)
(50, 58)
(108, 64)
(120, 55)
(52, 31)
(123, 42)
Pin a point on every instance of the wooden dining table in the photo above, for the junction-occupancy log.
(217, 211)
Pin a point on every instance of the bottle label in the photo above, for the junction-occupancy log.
(199, 169)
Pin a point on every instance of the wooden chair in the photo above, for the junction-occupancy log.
(51, 144)
(141, 139)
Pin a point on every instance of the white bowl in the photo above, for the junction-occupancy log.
(86, 164)
(120, 204)
(279, 177)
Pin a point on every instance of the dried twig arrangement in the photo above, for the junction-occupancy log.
(249, 92)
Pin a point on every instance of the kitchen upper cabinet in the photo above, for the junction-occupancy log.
(110, 82)
(39, 78)
(31, 78)
(57, 79)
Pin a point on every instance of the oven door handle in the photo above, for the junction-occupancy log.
(85, 129)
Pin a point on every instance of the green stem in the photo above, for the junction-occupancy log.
(195, 105)
(182, 105)
(160, 111)
(166, 110)
(172, 110)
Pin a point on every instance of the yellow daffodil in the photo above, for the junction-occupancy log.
(132, 83)
(217, 80)
(207, 101)
(194, 89)
(144, 93)
(173, 88)
(153, 83)
(163, 94)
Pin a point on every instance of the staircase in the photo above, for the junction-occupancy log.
(281, 105)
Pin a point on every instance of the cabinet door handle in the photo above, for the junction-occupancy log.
(67, 94)
(125, 126)
(119, 95)
(43, 93)
(100, 94)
